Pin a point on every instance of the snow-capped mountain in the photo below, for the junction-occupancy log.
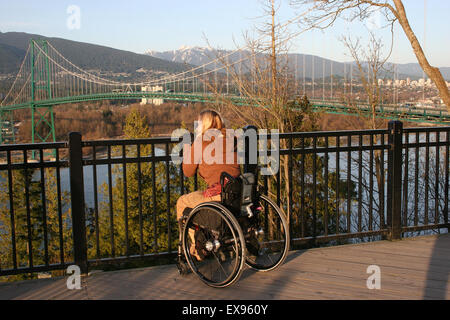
(306, 65)
(199, 56)
(191, 55)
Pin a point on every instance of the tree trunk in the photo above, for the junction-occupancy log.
(274, 57)
(431, 71)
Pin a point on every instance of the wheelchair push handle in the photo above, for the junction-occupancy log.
(249, 168)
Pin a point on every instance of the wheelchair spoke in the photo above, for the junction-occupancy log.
(218, 262)
(217, 245)
(270, 245)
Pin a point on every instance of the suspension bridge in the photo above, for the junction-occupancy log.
(47, 79)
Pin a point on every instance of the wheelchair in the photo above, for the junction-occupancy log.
(245, 228)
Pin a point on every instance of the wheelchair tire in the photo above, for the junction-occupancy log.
(219, 241)
(266, 251)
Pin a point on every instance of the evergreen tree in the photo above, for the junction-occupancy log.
(142, 211)
(30, 221)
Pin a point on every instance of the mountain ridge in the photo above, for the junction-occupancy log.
(13, 46)
(200, 55)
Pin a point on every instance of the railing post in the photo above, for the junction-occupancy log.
(77, 200)
(394, 196)
(248, 148)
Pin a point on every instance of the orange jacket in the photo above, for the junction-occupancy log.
(208, 165)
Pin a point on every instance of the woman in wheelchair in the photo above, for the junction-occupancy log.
(208, 164)
(231, 224)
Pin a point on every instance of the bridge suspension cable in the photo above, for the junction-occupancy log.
(65, 78)
(19, 76)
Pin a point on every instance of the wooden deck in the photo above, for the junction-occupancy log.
(417, 268)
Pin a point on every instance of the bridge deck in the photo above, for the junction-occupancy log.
(417, 268)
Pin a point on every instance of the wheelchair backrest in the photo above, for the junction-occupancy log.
(239, 193)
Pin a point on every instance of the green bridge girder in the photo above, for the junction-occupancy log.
(42, 102)
(385, 112)
(41, 109)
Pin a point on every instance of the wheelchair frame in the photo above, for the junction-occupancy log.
(244, 227)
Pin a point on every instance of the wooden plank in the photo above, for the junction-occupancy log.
(370, 251)
(411, 269)
(347, 286)
(382, 259)
(296, 284)
(406, 254)
(361, 266)
(439, 245)
(400, 282)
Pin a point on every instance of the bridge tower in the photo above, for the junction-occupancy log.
(42, 118)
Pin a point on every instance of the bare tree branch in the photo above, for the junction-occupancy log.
(328, 11)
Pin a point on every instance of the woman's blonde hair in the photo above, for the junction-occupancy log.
(210, 119)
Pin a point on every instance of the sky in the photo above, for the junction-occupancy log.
(141, 25)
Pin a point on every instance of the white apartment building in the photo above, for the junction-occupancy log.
(156, 102)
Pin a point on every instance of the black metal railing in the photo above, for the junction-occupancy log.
(31, 229)
(334, 179)
(95, 202)
(425, 188)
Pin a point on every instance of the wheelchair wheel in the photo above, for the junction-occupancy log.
(219, 242)
(268, 238)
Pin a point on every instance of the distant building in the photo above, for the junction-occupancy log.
(156, 102)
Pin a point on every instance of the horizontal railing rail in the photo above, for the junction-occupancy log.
(113, 201)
